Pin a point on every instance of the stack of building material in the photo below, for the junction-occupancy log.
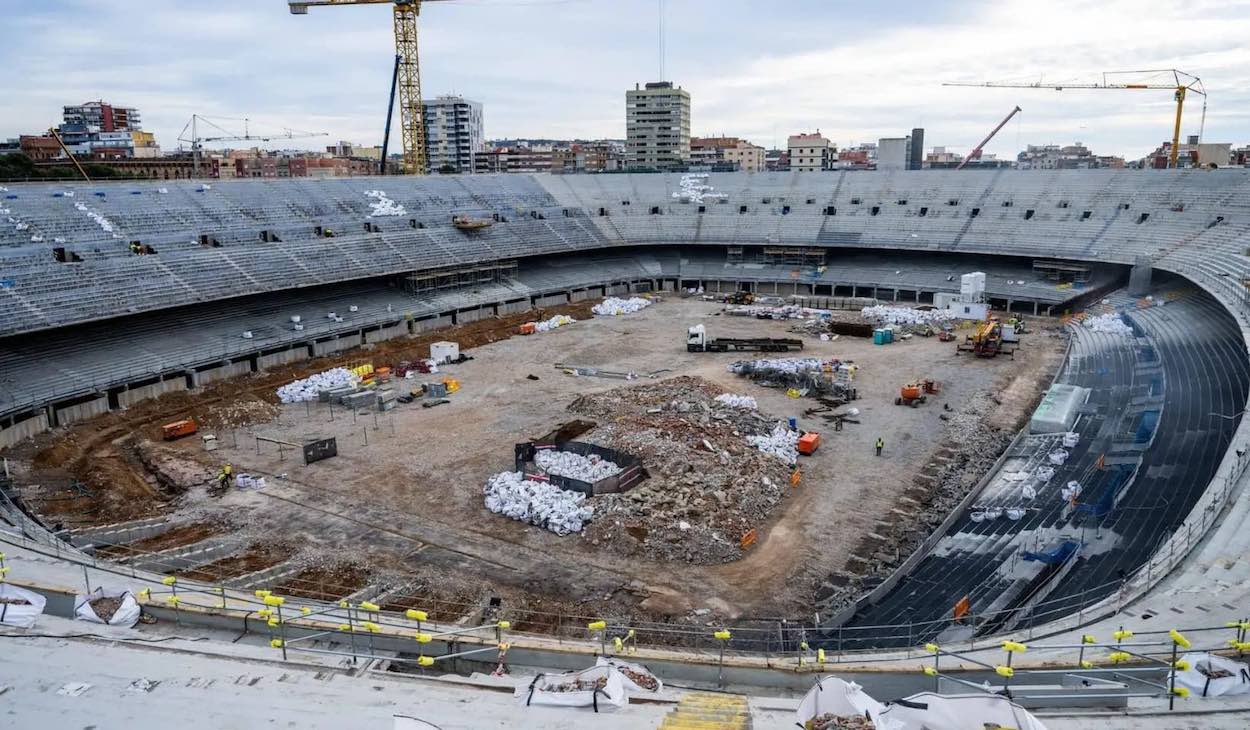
(613, 306)
(541, 504)
(309, 389)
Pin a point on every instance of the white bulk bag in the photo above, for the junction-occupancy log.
(626, 669)
(561, 690)
(127, 614)
(833, 696)
(929, 711)
(23, 614)
(1202, 664)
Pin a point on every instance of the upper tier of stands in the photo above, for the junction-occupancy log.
(233, 238)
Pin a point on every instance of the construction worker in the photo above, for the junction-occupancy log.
(880, 445)
(225, 477)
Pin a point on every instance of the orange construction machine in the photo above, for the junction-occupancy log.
(913, 394)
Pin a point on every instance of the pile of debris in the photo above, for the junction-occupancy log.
(575, 466)
(708, 485)
(613, 306)
(907, 316)
(831, 379)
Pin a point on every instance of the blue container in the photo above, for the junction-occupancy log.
(794, 424)
(889, 335)
(878, 337)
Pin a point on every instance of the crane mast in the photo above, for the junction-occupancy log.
(407, 75)
(975, 154)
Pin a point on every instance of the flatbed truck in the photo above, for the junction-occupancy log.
(698, 341)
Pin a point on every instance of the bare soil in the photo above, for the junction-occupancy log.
(405, 490)
(172, 538)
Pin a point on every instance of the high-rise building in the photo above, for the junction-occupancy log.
(810, 152)
(453, 133)
(104, 117)
(915, 158)
(657, 126)
(893, 153)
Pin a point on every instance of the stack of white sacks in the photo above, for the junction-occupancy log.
(382, 205)
(310, 388)
(613, 306)
(906, 315)
(786, 364)
(575, 466)
(559, 320)
(1112, 324)
(733, 400)
(782, 443)
(100, 220)
(541, 504)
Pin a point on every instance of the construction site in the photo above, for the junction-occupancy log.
(704, 440)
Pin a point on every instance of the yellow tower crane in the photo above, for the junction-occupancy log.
(1181, 84)
(407, 73)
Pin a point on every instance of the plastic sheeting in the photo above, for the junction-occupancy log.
(20, 607)
(1213, 676)
(733, 400)
(638, 671)
(127, 613)
(383, 205)
(1059, 409)
(600, 688)
(613, 306)
(833, 696)
(782, 443)
(309, 388)
(929, 711)
(541, 504)
(575, 466)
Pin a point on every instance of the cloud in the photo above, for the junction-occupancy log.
(560, 68)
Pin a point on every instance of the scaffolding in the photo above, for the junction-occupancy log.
(460, 277)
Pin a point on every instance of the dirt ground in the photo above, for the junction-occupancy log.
(405, 492)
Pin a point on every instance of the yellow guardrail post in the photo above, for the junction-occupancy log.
(936, 651)
(1178, 642)
(1005, 671)
(600, 628)
(723, 636)
(1081, 661)
(173, 600)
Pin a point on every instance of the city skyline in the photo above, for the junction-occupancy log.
(255, 60)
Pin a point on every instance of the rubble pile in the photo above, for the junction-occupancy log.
(559, 320)
(309, 388)
(972, 446)
(1112, 324)
(708, 486)
(237, 413)
(613, 306)
(575, 466)
(806, 375)
(541, 504)
(383, 205)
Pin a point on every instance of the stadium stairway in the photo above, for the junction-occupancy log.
(706, 711)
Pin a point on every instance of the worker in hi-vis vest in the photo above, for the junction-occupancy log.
(880, 445)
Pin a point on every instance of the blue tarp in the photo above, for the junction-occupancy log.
(1057, 556)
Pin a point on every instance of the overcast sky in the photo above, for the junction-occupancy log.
(560, 68)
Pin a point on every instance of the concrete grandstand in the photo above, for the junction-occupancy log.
(126, 291)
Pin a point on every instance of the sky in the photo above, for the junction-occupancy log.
(559, 68)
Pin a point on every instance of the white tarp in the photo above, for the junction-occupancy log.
(635, 677)
(832, 696)
(929, 711)
(1210, 675)
(1110, 323)
(20, 607)
(126, 614)
(600, 688)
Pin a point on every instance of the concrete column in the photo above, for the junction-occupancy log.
(896, 295)
(1139, 277)
(1034, 309)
